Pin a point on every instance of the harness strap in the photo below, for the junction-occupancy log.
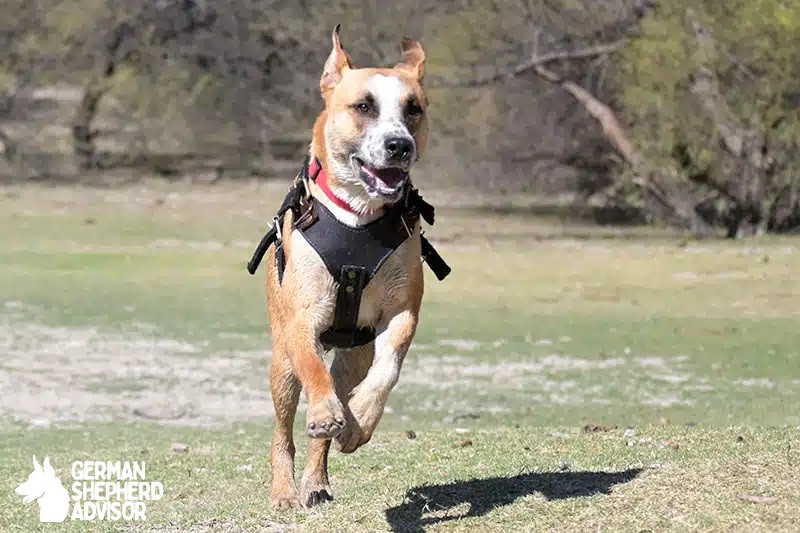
(263, 245)
(331, 338)
(280, 260)
(415, 201)
(292, 201)
(434, 261)
(345, 331)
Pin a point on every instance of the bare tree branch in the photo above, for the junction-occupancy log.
(670, 199)
(604, 115)
(536, 61)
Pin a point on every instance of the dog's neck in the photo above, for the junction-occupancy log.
(341, 183)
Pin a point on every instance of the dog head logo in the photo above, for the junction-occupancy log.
(46, 489)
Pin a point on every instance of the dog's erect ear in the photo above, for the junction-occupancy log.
(36, 465)
(337, 64)
(413, 58)
(48, 469)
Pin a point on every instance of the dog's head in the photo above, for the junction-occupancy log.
(375, 123)
(38, 481)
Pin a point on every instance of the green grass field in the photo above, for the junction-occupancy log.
(128, 323)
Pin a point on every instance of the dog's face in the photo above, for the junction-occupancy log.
(376, 123)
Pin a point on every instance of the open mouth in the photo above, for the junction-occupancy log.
(387, 181)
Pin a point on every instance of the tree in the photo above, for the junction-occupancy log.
(537, 131)
(711, 97)
(711, 91)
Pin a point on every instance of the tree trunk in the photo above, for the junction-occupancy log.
(7, 147)
(83, 135)
(747, 188)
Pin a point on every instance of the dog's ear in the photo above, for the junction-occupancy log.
(48, 469)
(337, 64)
(36, 465)
(413, 58)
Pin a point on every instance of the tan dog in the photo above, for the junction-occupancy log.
(372, 130)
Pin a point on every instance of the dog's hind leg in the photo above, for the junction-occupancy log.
(285, 396)
(349, 368)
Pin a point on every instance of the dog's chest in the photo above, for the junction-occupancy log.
(387, 286)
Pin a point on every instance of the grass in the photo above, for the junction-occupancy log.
(545, 326)
(657, 478)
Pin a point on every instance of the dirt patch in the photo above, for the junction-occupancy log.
(59, 374)
(559, 379)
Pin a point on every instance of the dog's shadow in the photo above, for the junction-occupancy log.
(477, 497)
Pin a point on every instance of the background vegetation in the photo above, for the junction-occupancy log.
(677, 112)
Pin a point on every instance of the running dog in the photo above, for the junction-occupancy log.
(344, 268)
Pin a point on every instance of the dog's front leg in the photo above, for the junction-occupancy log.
(368, 399)
(349, 368)
(325, 416)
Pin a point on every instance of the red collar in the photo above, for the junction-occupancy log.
(318, 175)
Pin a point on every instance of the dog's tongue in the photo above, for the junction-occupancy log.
(390, 176)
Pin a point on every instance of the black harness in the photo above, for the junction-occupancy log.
(352, 255)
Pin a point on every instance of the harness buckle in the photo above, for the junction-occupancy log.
(302, 179)
(306, 188)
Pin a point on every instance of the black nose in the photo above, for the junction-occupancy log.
(399, 148)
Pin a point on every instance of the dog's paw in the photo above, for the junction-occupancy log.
(285, 501)
(313, 494)
(325, 419)
(318, 497)
(349, 440)
(352, 438)
(363, 415)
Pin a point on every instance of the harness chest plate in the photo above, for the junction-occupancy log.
(352, 255)
(365, 246)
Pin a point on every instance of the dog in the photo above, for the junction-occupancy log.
(46, 489)
(371, 131)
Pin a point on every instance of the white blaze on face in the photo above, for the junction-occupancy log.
(390, 94)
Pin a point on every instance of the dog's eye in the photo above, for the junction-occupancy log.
(364, 107)
(414, 109)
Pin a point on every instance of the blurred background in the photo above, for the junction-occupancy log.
(679, 113)
(587, 159)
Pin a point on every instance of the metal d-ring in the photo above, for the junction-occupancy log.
(278, 230)
(403, 219)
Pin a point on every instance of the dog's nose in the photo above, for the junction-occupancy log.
(398, 148)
